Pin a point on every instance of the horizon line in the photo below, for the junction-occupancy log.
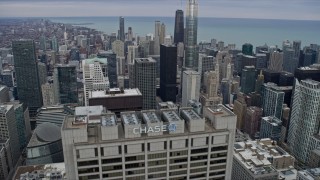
(252, 18)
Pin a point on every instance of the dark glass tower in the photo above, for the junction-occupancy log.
(66, 84)
(248, 79)
(191, 60)
(121, 29)
(27, 74)
(247, 49)
(168, 72)
(112, 67)
(179, 27)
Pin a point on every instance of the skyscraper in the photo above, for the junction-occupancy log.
(304, 122)
(54, 44)
(157, 32)
(65, 84)
(276, 61)
(121, 29)
(43, 42)
(168, 72)
(248, 78)
(247, 49)
(191, 53)
(190, 87)
(27, 74)
(130, 34)
(145, 81)
(111, 68)
(179, 27)
(273, 99)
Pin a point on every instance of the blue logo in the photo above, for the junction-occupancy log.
(172, 127)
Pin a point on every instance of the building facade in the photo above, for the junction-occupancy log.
(179, 27)
(190, 87)
(201, 150)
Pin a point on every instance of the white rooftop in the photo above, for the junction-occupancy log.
(171, 116)
(191, 114)
(127, 92)
(150, 117)
(88, 110)
(108, 120)
(130, 118)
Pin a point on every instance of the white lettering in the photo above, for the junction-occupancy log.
(135, 131)
(157, 129)
(150, 129)
(143, 130)
(164, 128)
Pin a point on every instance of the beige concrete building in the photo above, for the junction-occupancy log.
(151, 144)
(262, 159)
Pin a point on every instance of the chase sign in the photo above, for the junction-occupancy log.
(150, 129)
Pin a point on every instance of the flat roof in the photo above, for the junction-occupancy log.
(53, 170)
(150, 117)
(127, 92)
(191, 114)
(88, 110)
(171, 116)
(130, 118)
(108, 120)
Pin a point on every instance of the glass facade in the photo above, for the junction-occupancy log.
(66, 79)
(191, 50)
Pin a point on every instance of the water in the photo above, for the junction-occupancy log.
(237, 31)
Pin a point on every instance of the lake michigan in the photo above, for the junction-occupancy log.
(230, 30)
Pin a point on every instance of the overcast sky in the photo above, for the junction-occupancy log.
(265, 9)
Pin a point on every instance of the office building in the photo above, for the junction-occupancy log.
(27, 74)
(4, 94)
(117, 100)
(240, 109)
(7, 77)
(54, 44)
(286, 79)
(191, 54)
(94, 76)
(118, 48)
(261, 61)
(43, 42)
(273, 99)
(270, 128)
(190, 87)
(276, 61)
(289, 62)
(129, 150)
(179, 27)
(245, 60)
(168, 73)
(309, 72)
(145, 81)
(304, 118)
(9, 131)
(211, 84)
(65, 84)
(271, 76)
(6, 167)
(111, 67)
(157, 33)
(130, 34)
(248, 77)
(247, 49)
(45, 145)
(309, 174)
(132, 54)
(121, 29)
(49, 95)
(253, 121)
(262, 159)
(206, 63)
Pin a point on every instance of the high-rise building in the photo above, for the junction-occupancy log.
(162, 33)
(65, 84)
(43, 42)
(6, 166)
(9, 131)
(27, 74)
(247, 49)
(168, 73)
(286, 79)
(289, 63)
(49, 94)
(304, 121)
(186, 146)
(118, 48)
(276, 61)
(206, 63)
(273, 99)
(157, 33)
(145, 81)
(130, 34)
(94, 76)
(309, 72)
(252, 121)
(261, 61)
(121, 29)
(190, 87)
(270, 128)
(111, 67)
(211, 84)
(179, 27)
(240, 109)
(296, 46)
(191, 54)
(132, 54)
(271, 76)
(55, 44)
(248, 78)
